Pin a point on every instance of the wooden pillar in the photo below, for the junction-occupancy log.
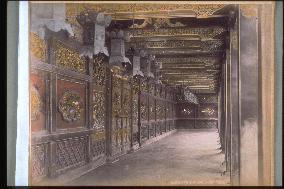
(139, 113)
(234, 93)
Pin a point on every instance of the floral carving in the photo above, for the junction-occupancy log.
(99, 70)
(36, 104)
(68, 58)
(70, 106)
(37, 46)
(99, 110)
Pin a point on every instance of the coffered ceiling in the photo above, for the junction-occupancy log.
(188, 40)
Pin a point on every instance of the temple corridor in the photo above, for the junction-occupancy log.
(186, 157)
(139, 94)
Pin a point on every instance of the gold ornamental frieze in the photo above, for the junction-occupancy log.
(68, 58)
(205, 60)
(209, 45)
(70, 106)
(157, 23)
(124, 11)
(37, 46)
(203, 33)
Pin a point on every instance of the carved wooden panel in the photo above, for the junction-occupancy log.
(99, 71)
(98, 143)
(208, 111)
(69, 58)
(37, 47)
(144, 86)
(152, 130)
(116, 96)
(38, 161)
(186, 110)
(144, 131)
(157, 90)
(70, 152)
(207, 98)
(38, 101)
(152, 88)
(135, 113)
(126, 108)
(99, 109)
(144, 108)
(152, 109)
(71, 104)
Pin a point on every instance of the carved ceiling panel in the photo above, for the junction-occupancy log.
(188, 49)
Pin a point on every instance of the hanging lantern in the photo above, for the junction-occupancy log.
(136, 64)
(102, 22)
(43, 22)
(148, 70)
(117, 56)
(93, 25)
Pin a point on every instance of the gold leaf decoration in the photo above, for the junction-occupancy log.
(36, 104)
(99, 110)
(99, 71)
(37, 46)
(68, 58)
(70, 106)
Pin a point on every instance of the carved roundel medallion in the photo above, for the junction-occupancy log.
(70, 106)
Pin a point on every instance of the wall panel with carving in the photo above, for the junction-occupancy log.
(99, 71)
(152, 109)
(38, 98)
(70, 153)
(99, 110)
(39, 161)
(68, 58)
(71, 103)
(98, 143)
(37, 47)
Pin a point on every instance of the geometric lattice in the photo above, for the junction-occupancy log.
(205, 124)
(152, 130)
(144, 131)
(38, 161)
(98, 148)
(70, 152)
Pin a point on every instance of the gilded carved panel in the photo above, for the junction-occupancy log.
(143, 108)
(99, 71)
(38, 99)
(99, 109)
(37, 46)
(152, 109)
(70, 106)
(69, 58)
(116, 96)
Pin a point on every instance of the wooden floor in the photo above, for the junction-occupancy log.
(187, 157)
